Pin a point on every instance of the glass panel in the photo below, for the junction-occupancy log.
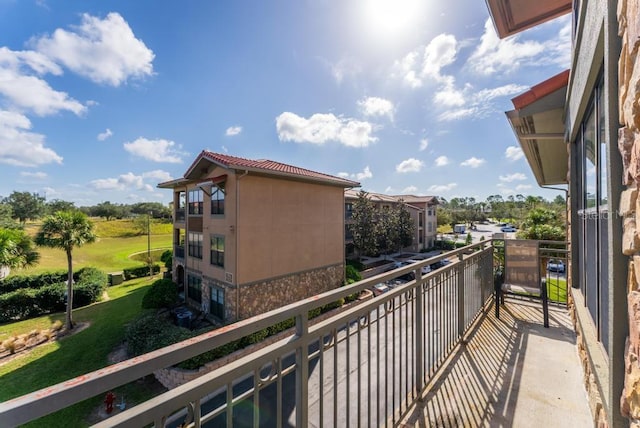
(602, 136)
(590, 214)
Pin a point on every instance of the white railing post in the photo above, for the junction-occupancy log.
(461, 296)
(419, 324)
(302, 370)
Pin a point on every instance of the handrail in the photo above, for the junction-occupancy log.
(469, 272)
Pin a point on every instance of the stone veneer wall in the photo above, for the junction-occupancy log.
(263, 296)
(629, 145)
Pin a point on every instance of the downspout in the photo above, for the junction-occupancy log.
(237, 229)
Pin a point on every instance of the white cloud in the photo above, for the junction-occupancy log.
(155, 150)
(20, 147)
(427, 63)
(346, 67)
(128, 181)
(424, 143)
(359, 176)
(501, 91)
(473, 162)
(103, 50)
(233, 130)
(26, 92)
(457, 114)
(521, 187)
(493, 55)
(442, 188)
(157, 175)
(476, 104)
(407, 70)
(35, 175)
(104, 135)
(517, 176)
(374, 106)
(409, 165)
(439, 53)
(409, 189)
(449, 96)
(513, 153)
(321, 128)
(442, 161)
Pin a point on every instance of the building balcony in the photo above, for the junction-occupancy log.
(428, 352)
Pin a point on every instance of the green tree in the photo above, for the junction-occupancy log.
(363, 225)
(6, 217)
(16, 250)
(108, 211)
(543, 223)
(66, 230)
(56, 205)
(25, 205)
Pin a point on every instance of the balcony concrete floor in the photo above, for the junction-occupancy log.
(512, 372)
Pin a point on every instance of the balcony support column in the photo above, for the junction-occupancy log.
(461, 297)
(302, 370)
(419, 337)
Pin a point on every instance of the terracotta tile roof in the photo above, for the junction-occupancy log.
(269, 167)
(380, 197)
(541, 90)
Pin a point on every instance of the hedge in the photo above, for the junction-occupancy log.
(140, 271)
(47, 298)
(14, 283)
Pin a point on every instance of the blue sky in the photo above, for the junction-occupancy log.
(103, 100)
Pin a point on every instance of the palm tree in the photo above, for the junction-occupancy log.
(16, 250)
(66, 230)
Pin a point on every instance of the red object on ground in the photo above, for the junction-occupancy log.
(109, 400)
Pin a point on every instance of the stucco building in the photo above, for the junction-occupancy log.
(254, 235)
(422, 210)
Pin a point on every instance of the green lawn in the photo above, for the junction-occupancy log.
(107, 254)
(557, 289)
(72, 356)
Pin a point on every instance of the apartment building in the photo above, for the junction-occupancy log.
(253, 235)
(422, 210)
(581, 128)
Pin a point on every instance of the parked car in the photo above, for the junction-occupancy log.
(555, 265)
(439, 264)
(425, 269)
(508, 229)
(380, 288)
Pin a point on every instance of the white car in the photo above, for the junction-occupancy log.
(425, 269)
(378, 289)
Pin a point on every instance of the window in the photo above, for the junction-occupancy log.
(195, 201)
(181, 205)
(217, 251)
(348, 210)
(430, 227)
(217, 199)
(194, 288)
(592, 206)
(420, 219)
(216, 308)
(195, 244)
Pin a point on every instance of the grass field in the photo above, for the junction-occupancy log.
(75, 355)
(557, 289)
(107, 254)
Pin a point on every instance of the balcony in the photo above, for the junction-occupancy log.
(429, 352)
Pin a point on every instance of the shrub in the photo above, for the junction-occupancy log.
(18, 304)
(140, 271)
(51, 297)
(352, 274)
(163, 293)
(167, 259)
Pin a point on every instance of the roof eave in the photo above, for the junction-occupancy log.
(513, 16)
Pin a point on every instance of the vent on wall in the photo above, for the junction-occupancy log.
(228, 277)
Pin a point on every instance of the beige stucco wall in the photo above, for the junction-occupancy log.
(286, 226)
